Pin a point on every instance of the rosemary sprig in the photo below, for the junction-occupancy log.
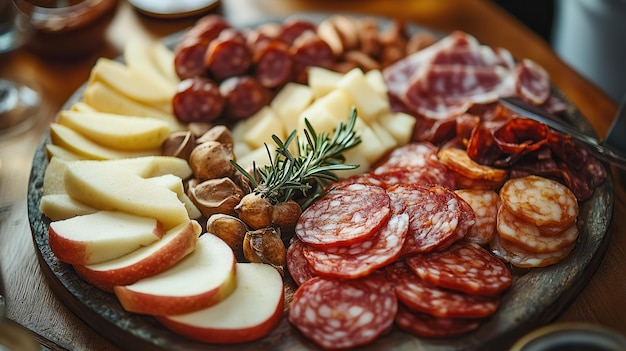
(310, 170)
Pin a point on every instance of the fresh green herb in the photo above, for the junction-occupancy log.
(305, 174)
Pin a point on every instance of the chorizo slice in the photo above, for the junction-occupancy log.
(539, 200)
(344, 216)
(342, 314)
(362, 258)
(419, 295)
(197, 99)
(228, 55)
(244, 96)
(428, 326)
(465, 267)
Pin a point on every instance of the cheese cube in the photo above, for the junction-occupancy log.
(400, 125)
(368, 101)
(289, 103)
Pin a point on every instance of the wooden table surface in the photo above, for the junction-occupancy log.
(32, 304)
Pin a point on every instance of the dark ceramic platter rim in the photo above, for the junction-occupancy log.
(536, 297)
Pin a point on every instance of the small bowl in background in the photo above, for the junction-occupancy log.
(69, 28)
(571, 337)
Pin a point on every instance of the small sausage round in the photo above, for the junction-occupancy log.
(244, 96)
(197, 99)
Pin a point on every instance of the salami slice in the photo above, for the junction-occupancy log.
(297, 265)
(341, 314)
(434, 213)
(425, 176)
(244, 96)
(528, 236)
(485, 204)
(540, 200)
(465, 267)
(425, 325)
(189, 58)
(419, 295)
(228, 55)
(410, 156)
(362, 258)
(345, 215)
(515, 255)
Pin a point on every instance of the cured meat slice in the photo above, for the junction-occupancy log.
(244, 96)
(228, 55)
(465, 267)
(464, 168)
(540, 200)
(345, 215)
(434, 213)
(297, 265)
(273, 64)
(425, 176)
(532, 82)
(362, 258)
(529, 237)
(419, 295)
(189, 58)
(485, 204)
(363, 178)
(341, 314)
(197, 99)
(411, 156)
(467, 219)
(425, 325)
(515, 255)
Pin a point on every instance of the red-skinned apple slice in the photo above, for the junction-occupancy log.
(147, 261)
(200, 280)
(101, 236)
(249, 313)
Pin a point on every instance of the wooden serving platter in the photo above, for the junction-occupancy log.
(535, 297)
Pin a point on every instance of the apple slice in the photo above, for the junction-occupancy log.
(144, 262)
(101, 236)
(120, 132)
(104, 186)
(249, 313)
(62, 206)
(200, 280)
(73, 141)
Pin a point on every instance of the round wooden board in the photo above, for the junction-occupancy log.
(535, 297)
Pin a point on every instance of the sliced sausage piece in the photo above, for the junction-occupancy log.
(518, 257)
(189, 58)
(419, 295)
(485, 204)
(434, 214)
(528, 236)
(293, 27)
(411, 156)
(273, 64)
(465, 267)
(228, 55)
(428, 326)
(207, 28)
(344, 216)
(244, 96)
(540, 200)
(297, 265)
(342, 314)
(363, 258)
(197, 99)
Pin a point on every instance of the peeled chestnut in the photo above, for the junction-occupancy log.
(285, 215)
(255, 210)
(211, 160)
(216, 196)
(219, 133)
(265, 246)
(230, 229)
(179, 144)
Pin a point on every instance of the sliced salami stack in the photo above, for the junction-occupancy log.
(536, 224)
(351, 247)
